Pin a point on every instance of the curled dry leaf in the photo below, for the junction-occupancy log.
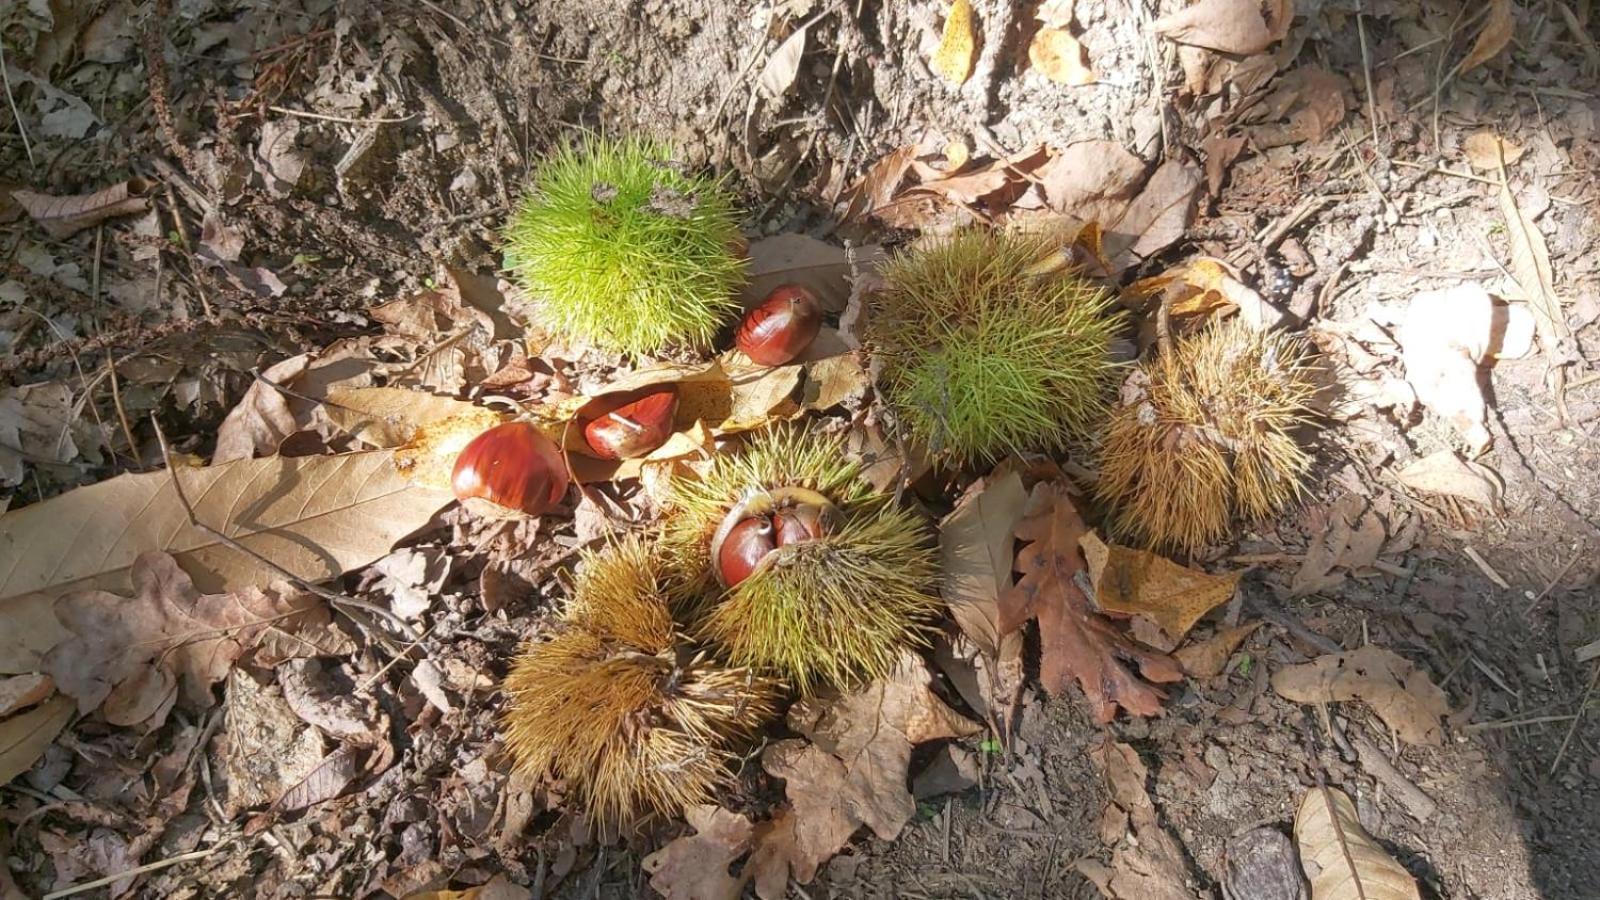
(1209, 657)
(1156, 217)
(262, 419)
(958, 48)
(22, 691)
(852, 771)
(976, 551)
(1446, 473)
(63, 217)
(1340, 857)
(1493, 38)
(1400, 693)
(778, 75)
(695, 866)
(1076, 643)
(134, 651)
(25, 736)
(1131, 582)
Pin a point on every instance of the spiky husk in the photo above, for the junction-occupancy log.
(981, 356)
(1206, 432)
(614, 703)
(832, 612)
(621, 248)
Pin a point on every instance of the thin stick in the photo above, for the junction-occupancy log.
(116, 403)
(1576, 718)
(21, 129)
(340, 601)
(1515, 723)
(376, 120)
(1555, 581)
(139, 870)
(1366, 67)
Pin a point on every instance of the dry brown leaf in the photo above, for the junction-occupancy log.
(266, 751)
(695, 866)
(1220, 151)
(318, 700)
(1060, 57)
(1076, 643)
(25, 737)
(853, 770)
(976, 551)
(325, 782)
(1495, 36)
(429, 457)
(1208, 658)
(1131, 582)
(1305, 105)
(1092, 181)
(879, 185)
(262, 419)
(316, 516)
(1530, 265)
(1227, 26)
(1158, 216)
(1340, 857)
(1444, 472)
(958, 49)
(1486, 150)
(1401, 693)
(1149, 864)
(386, 417)
(63, 217)
(22, 691)
(1328, 547)
(133, 652)
(499, 887)
(778, 75)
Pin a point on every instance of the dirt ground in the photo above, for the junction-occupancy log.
(417, 124)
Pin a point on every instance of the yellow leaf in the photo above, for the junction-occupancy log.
(1140, 583)
(958, 47)
(1058, 56)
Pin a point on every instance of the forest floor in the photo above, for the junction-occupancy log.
(295, 164)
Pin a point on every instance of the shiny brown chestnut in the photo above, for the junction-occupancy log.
(800, 523)
(511, 465)
(743, 548)
(782, 327)
(634, 429)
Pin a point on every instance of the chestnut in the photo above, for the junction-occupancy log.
(511, 465)
(800, 523)
(782, 327)
(743, 548)
(633, 429)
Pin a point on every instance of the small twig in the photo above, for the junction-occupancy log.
(1366, 67)
(339, 601)
(116, 403)
(376, 120)
(21, 129)
(1515, 723)
(1164, 325)
(1554, 581)
(1484, 567)
(1576, 718)
(139, 870)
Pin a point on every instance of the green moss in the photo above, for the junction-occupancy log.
(981, 356)
(620, 248)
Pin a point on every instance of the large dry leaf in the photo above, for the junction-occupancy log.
(64, 216)
(1131, 582)
(24, 737)
(1397, 690)
(1445, 336)
(1076, 643)
(852, 771)
(958, 49)
(325, 782)
(1227, 26)
(695, 866)
(1341, 859)
(315, 516)
(1495, 36)
(976, 551)
(1443, 472)
(136, 650)
(262, 419)
(1147, 863)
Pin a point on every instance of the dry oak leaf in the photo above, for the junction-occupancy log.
(63, 217)
(1402, 694)
(262, 419)
(853, 769)
(1340, 857)
(168, 633)
(1131, 582)
(958, 49)
(695, 866)
(975, 553)
(1076, 643)
(1150, 864)
(1495, 36)
(315, 516)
